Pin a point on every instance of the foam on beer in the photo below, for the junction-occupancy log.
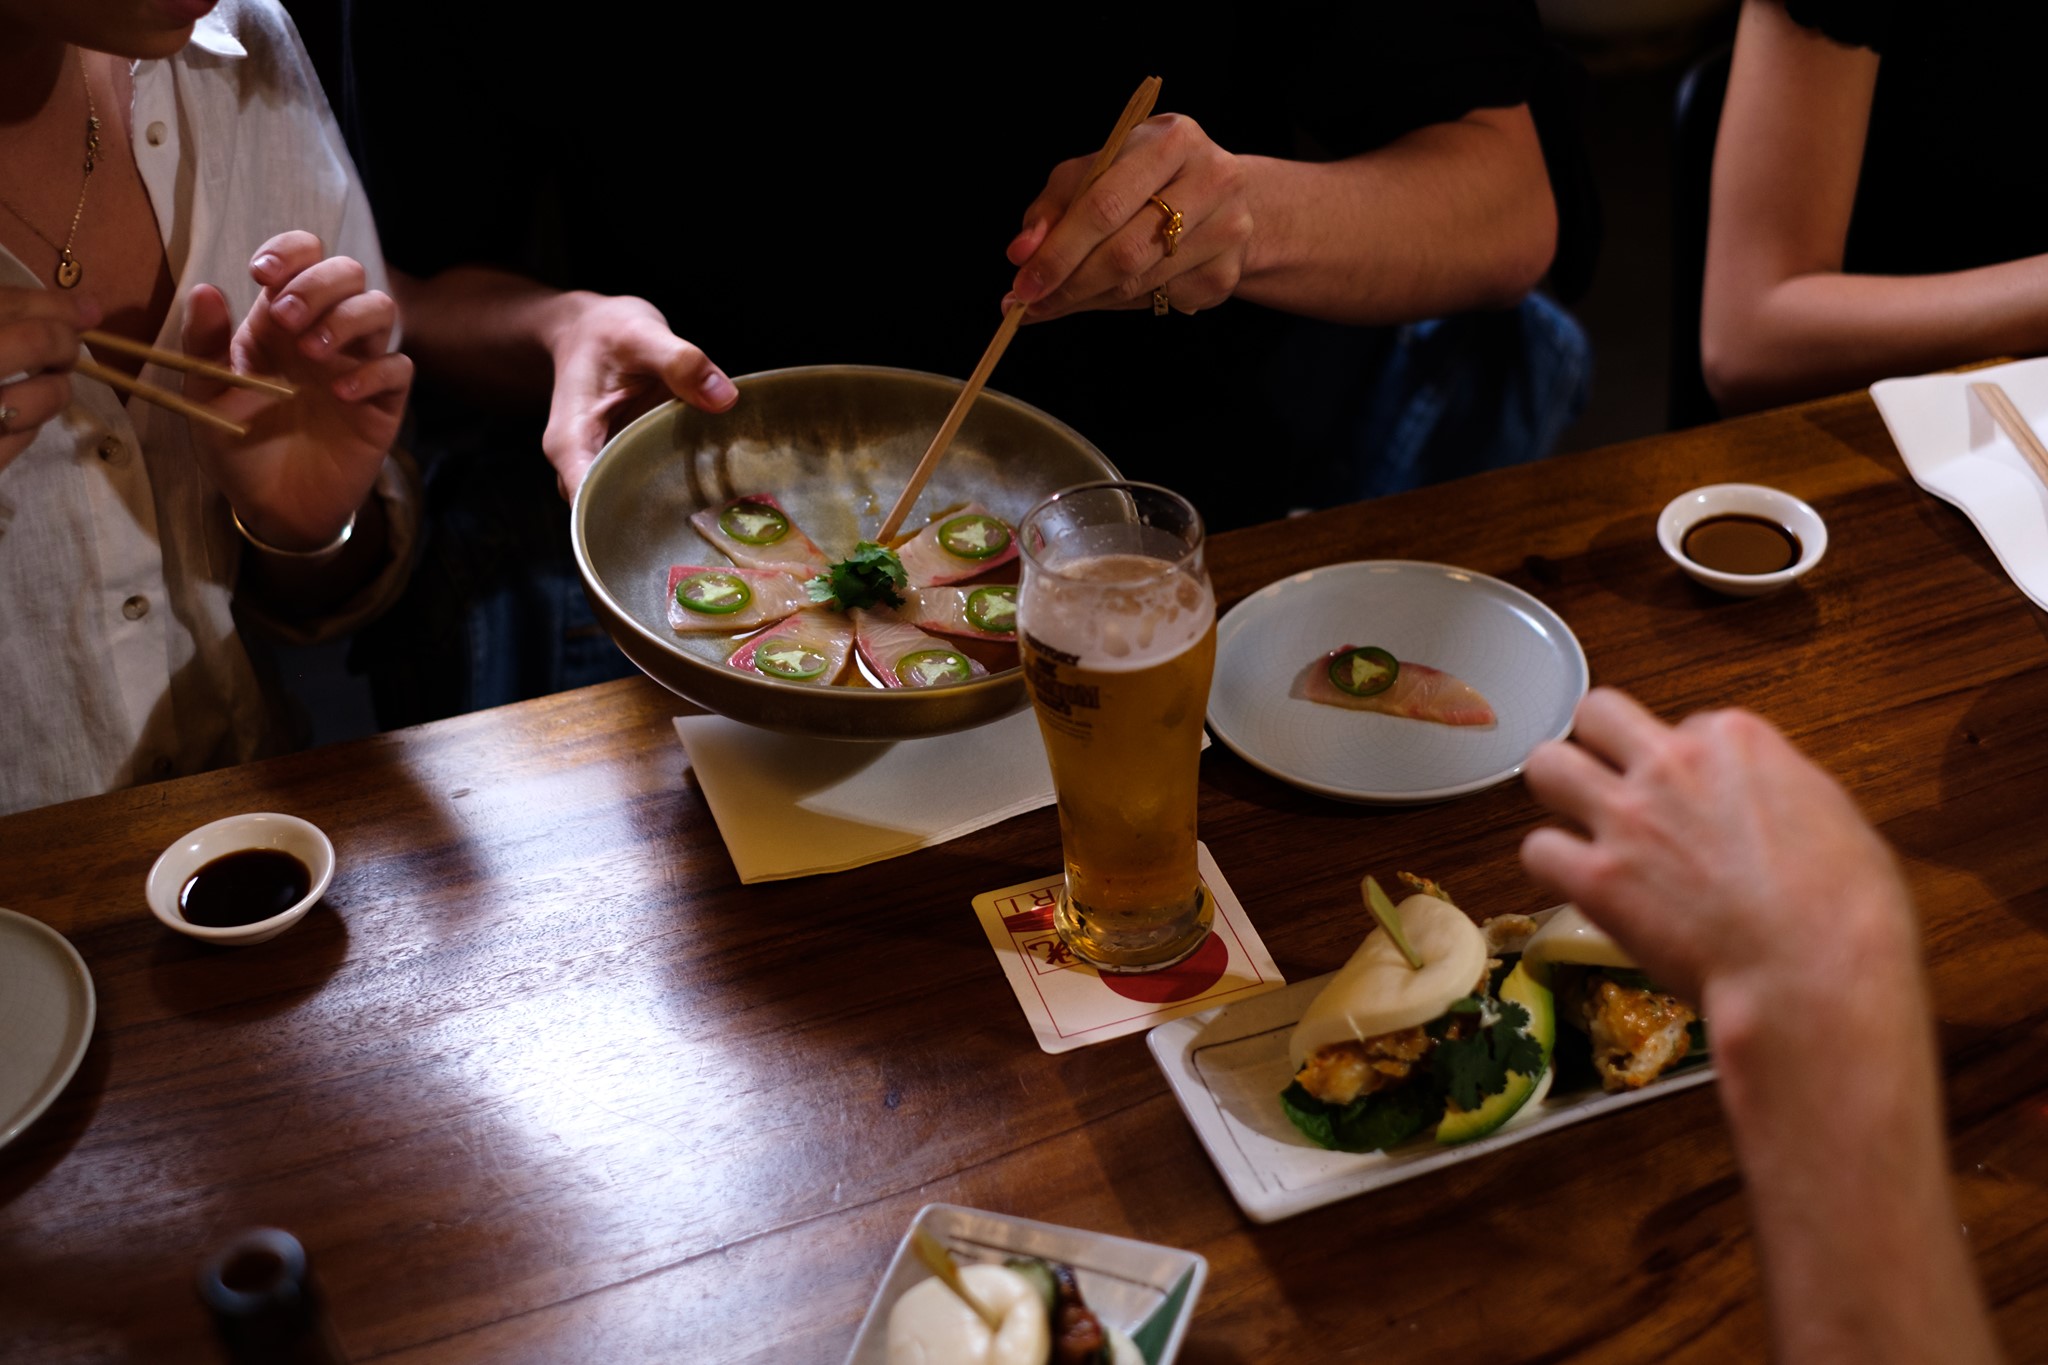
(1116, 612)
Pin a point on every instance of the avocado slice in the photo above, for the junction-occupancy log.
(1463, 1125)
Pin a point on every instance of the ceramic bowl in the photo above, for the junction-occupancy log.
(835, 444)
(1687, 510)
(237, 834)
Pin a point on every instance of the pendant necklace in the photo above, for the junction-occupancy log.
(69, 271)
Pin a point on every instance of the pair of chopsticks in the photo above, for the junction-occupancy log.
(173, 360)
(2007, 414)
(1136, 112)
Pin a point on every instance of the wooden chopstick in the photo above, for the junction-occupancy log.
(2007, 414)
(163, 398)
(178, 360)
(1135, 112)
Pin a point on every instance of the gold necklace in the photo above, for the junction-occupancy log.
(69, 271)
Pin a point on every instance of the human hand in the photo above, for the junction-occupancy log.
(1716, 853)
(612, 352)
(39, 341)
(308, 461)
(1107, 248)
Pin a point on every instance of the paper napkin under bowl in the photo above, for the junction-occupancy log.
(788, 806)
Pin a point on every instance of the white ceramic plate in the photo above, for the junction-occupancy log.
(1519, 653)
(1956, 452)
(1149, 1291)
(1228, 1066)
(46, 1014)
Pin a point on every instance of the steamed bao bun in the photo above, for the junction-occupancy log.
(931, 1326)
(1570, 937)
(1377, 991)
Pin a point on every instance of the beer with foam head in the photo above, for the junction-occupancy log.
(1117, 625)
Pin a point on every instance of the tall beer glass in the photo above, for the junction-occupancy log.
(1117, 625)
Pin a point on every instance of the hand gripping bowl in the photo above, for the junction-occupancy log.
(835, 445)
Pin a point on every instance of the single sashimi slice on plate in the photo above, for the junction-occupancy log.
(958, 545)
(756, 532)
(1372, 680)
(726, 600)
(810, 647)
(986, 612)
(901, 655)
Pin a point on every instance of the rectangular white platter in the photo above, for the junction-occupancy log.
(1125, 1282)
(1227, 1067)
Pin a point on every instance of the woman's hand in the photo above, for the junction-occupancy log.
(39, 342)
(1108, 247)
(309, 461)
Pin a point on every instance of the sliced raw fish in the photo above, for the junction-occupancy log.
(732, 600)
(810, 647)
(973, 612)
(958, 545)
(901, 655)
(1419, 692)
(772, 539)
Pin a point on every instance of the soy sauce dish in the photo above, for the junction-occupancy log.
(1742, 539)
(242, 880)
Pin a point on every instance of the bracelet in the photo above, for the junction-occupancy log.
(332, 547)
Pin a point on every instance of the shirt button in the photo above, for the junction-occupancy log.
(111, 449)
(156, 133)
(135, 608)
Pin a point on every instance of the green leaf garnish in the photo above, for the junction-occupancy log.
(1370, 1123)
(1469, 1069)
(1389, 919)
(871, 574)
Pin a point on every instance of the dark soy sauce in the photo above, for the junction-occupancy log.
(1740, 544)
(242, 888)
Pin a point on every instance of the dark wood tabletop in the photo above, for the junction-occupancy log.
(542, 1081)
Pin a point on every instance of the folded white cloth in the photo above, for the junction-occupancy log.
(791, 807)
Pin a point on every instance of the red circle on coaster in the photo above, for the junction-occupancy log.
(1181, 981)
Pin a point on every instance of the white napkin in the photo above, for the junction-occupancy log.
(791, 807)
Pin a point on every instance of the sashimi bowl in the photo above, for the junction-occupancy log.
(833, 446)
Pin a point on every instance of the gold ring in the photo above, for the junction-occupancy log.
(1171, 226)
(1160, 303)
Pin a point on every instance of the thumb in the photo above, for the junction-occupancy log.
(687, 372)
(207, 333)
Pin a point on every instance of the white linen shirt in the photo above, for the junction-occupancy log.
(119, 659)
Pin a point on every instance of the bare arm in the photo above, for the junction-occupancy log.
(1742, 876)
(1780, 320)
(1452, 217)
(499, 337)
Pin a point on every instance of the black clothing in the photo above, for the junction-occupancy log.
(1953, 116)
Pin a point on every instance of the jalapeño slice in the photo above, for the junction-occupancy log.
(974, 536)
(929, 667)
(713, 594)
(753, 523)
(993, 609)
(798, 663)
(1365, 671)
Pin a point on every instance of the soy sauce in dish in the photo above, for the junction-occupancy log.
(242, 888)
(1734, 543)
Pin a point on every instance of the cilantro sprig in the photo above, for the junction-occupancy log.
(871, 574)
(1468, 1069)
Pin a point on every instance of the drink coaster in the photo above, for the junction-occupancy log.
(1069, 1004)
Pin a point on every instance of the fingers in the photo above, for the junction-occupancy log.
(1571, 782)
(359, 326)
(31, 345)
(1041, 213)
(385, 380)
(284, 256)
(1151, 158)
(207, 332)
(33, 402)
(1616, 727)
(311, 293)
(690, 375)
(1563, 862)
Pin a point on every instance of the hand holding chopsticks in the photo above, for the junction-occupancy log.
(1135, 112)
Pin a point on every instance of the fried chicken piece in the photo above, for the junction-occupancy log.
(1637, 1034)
(1508, 933)
(1341, 1072)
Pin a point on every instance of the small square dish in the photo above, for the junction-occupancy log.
(1227, 1067)
(1148, 1291)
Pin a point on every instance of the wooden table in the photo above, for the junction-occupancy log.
(544, 1082)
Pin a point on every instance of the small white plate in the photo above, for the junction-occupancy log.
(1148, 1291)
(175, 866)
(1228, 1066)
(46, 1013)
(1955, 451)
(1687, 510)
(1519, 653)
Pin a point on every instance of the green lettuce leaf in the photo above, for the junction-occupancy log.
(1370, 1123)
